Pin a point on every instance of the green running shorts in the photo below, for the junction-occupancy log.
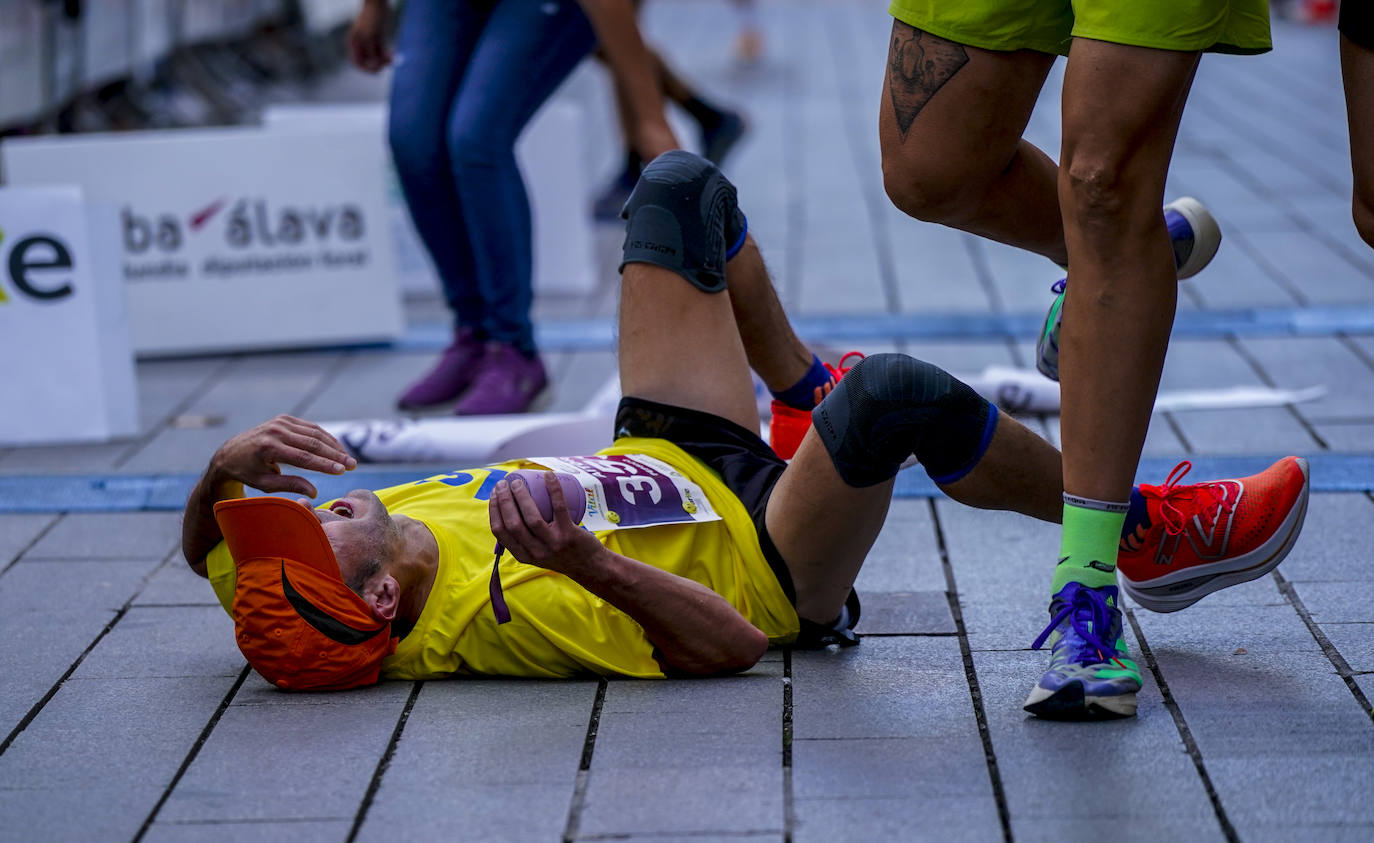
(1048, 26)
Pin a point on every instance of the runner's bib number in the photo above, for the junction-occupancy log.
(633, 490)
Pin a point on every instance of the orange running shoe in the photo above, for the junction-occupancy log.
(1202, 538)
(788, 425)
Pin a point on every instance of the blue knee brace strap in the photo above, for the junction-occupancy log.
(683, 216)
(891, 406)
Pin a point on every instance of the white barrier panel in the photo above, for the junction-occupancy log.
(68, 373)
(233, 238)
(550, 155)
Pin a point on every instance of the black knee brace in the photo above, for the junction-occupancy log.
(683, 216)
(891, 406)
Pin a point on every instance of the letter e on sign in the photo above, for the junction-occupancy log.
(35, 264)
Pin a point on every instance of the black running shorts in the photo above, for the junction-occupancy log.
(1357, 22)
(745, 463)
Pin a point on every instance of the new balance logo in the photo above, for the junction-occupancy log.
(1208, 532)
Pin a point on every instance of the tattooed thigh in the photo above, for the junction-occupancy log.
(918, 65)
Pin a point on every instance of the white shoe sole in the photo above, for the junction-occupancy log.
(1206, 234)
(1183, 589)
(1069, 703)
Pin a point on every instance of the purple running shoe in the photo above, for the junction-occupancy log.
(506, 382)
(453, 373)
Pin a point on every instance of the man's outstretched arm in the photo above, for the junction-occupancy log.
(254, 458)
(694, 629)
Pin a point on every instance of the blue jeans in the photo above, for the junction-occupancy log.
(469, 75)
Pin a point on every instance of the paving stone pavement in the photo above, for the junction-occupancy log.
(127, 713)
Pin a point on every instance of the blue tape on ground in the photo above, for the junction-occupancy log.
(168, 492)
(599, 334)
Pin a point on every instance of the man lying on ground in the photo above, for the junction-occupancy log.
(719, 548)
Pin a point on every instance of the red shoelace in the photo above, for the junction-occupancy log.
(1175, 518)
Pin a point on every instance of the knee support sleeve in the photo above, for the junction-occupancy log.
(683, 215)
(891, 406)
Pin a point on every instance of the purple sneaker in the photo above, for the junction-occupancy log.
(455, 371)
(507, 382)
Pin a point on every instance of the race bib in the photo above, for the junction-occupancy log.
(633, 490)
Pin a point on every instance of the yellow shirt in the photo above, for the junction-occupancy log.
(558, 628)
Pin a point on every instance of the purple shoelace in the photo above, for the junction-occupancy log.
(1088, 613)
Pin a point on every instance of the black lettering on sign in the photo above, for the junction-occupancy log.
(53, 256)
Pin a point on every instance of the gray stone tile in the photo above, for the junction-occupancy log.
(138, 729)
(1333, 546)
(1042, 769)
(683, 801)
(884, 688)
(366, 385)
(722, 774)
(906, 613)
(961, 359)
(906, 556)
(174, 583)
(71, 458)
(1262, 706)
(166, 642)
(1333, 831)
(282, 762)
(472, 750)
(1299, 362)
(53, 587)
(1350, 437)
(18, 532)
(1001, 554)
(731, 721)
(110, 535)
(50, 612)
(166, 385)
(1365, 682)
(251, 390)
(513, 732)
(909, 818)
(1324, 276)
(1294, 794)
(1355, 643)
(1126, 824)
(471, 810)
(1239, 276)
(1003, 564)
(1221, 629)
(1334, 602)
(301, 831)
(93, 813)
(257, 691)
(923, 769)
(923, 252)
(1214, 364)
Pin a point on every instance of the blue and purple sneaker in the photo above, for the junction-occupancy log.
(1091, 676)
(1195, 237)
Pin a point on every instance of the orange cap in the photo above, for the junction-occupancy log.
(295, 620)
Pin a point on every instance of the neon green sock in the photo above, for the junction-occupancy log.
(1088, 543)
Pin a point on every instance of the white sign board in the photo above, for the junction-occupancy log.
(68, 373)
(550, 155)
(234, 238)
